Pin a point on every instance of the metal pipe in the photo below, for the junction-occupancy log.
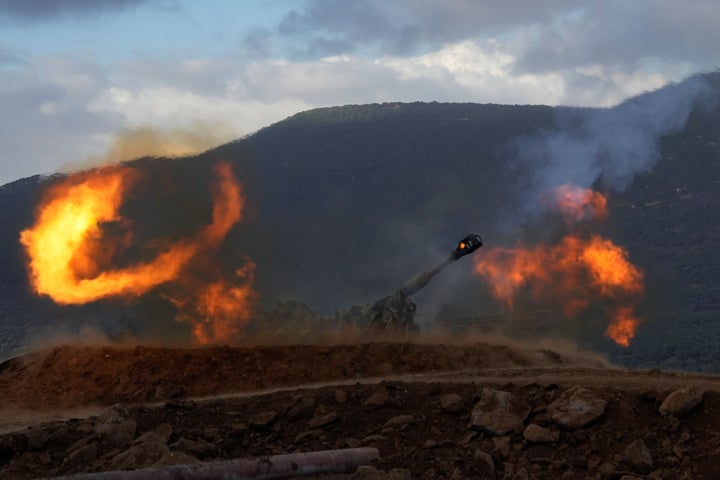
(464, 247)
(260, 468)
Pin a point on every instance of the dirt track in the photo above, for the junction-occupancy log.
(265, 400)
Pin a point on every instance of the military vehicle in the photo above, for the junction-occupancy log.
(396, 312)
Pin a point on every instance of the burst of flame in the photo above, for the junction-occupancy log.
(577, 204)
(623, 325)
(221, 308)
(66, 261)
(575, 272)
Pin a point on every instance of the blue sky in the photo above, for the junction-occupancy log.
(79, 76)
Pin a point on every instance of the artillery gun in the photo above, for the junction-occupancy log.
(396, 312)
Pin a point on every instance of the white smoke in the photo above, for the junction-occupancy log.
(608, 145)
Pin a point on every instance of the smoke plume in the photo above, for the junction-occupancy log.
(606, 146)
(152, 141)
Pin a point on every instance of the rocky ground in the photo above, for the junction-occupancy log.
(432, 411)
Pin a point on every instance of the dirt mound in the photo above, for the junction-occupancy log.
(433, 411)
(75, 376)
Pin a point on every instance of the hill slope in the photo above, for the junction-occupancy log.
(345, 203)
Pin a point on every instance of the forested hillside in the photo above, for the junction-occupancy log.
(345, 203)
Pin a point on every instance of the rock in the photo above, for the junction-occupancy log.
(576, 407)
(367, 472)
(484, 463)
(498, 413)
(638, 455)
(116, 425)
(263, 420)
(323, 420)
(309, 434)
(139, 456)
(161, 435)
(302, 407)
(606, 468)
(400, 474)
(370, 439)
(537, 434)
(400, 420)
(451, 403)
(340, 396)
(149, 449)
(198, 449)
(502, 446)
(37, 438)
(81, 456)
(521, 474)
(681, 401)
(378, 398)
(630, 477)
(429, 444)
(238, 429)
(352, 442)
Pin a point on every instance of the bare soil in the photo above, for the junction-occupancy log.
(411, 401)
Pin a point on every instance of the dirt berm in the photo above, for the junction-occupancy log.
(433, 411)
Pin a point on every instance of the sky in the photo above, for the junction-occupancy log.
(78, 76)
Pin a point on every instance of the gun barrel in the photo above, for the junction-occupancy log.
(465, 246)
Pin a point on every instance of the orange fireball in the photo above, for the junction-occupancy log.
(576, 272)
(577, 204)
(70, 261)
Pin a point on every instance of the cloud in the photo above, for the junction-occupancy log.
(404, 27)
(607, 34)
(43, 10)
(44, 120)
(8, 57)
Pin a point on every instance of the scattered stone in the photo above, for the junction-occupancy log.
(353, 442)
(502, 446)
(630, 477)
(681, 401)
(323, 420)
(302, 407)
(368, 472)
(606, 468)
(576, 407)
(37, 438)
(400, 420)
(340, 396)
(149, 449)
(537, 434)
(639, 457)
(379, 398)
(238, 429)
(300, 437)
(468, 437)
(81, 456)
(263, 420)
(373, 439)
(400, 474)
(429, 444)
(196, 448)
(116, 425)
(498, 413)
(451, 403)
(521, 474)
(212, 434)
(484, 462)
